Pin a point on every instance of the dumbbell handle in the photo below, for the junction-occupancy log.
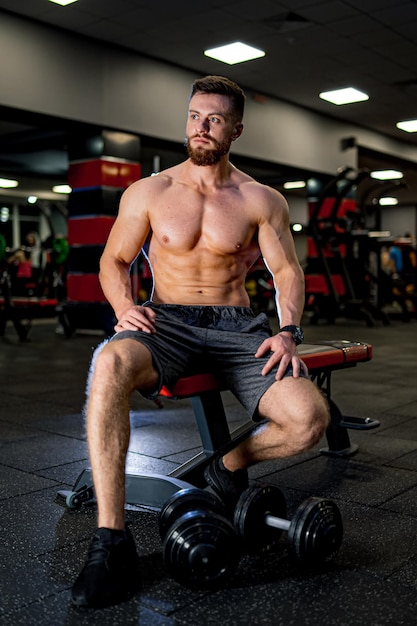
(277, 522)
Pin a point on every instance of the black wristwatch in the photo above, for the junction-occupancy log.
(296, 332)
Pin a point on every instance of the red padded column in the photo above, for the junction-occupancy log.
(102, 165)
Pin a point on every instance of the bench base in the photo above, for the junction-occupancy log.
(151, 490)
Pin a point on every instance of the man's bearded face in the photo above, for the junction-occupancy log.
(208, 156)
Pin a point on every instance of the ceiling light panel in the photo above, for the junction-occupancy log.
(7, 183)
(295, 184)
(348, 95)
(386, 174)
(233, 53)
(61, 189)
(410, 126)
(388, 201)
(63, 3)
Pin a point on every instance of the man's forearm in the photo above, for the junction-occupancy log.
(290, 301)
(116, 285)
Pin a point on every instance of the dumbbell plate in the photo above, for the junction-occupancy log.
(201, 550)
(254, 504)
(186, 500)
(316, 531)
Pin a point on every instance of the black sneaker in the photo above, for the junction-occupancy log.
(110, 572)
(226, 484)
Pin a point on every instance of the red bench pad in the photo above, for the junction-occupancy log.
(30, 301)
(326, 355)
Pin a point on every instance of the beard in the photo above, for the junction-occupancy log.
(201, 156)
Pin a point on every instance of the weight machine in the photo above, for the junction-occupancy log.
(338, 281)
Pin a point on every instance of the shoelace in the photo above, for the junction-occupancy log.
(98, 552)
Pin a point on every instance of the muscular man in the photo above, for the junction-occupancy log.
(208, 223)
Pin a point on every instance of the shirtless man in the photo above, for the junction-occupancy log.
(209, 222)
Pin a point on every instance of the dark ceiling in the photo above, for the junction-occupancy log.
(311, 46)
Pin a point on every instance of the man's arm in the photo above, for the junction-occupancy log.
(278, 250)
(124, 243)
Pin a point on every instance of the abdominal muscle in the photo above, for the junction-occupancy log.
(201, 277)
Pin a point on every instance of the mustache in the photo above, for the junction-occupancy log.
(205, 135)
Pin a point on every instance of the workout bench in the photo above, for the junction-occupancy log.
(21, 310)
(154, 490)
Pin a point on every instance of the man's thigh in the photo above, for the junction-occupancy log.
(170, 357)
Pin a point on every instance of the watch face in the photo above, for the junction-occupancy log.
(298, 335)
(296, 332)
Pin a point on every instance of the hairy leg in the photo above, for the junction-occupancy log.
(297, 415)
(117, 370)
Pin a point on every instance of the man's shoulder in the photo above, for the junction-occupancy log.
(262, 191)
(264, 203)
(151, 184)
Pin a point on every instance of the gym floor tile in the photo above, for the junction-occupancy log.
(14, 482)
(46, 450)
(352, 481)
(406, 461)
(335, 599)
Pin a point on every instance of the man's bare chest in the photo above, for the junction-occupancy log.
(219, 225)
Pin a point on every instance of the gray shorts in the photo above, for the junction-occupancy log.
(218, 339)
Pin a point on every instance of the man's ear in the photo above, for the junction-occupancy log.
(237, 131)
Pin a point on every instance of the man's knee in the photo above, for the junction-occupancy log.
(106, 363)
(315, 424)
(299, 410)
(306, 432)
(127, 363)
(314, 418)
(93, 365)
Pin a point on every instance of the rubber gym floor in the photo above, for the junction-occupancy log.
(372, 579)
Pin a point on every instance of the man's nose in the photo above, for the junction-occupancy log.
(202, 126)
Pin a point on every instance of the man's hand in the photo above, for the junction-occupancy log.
(137, 318)
(284, 353)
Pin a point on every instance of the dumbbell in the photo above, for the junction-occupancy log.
(314, 533)
(200, 546)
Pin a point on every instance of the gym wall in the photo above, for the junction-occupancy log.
(60, 74)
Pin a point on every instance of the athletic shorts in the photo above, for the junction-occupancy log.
(218, 339)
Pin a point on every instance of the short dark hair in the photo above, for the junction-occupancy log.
(224, 87)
